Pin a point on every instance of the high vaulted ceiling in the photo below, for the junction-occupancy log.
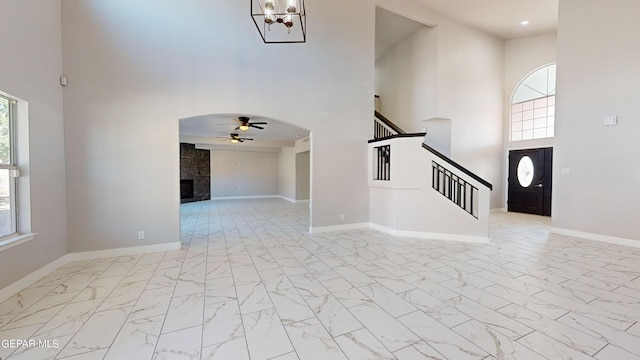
(501, 17)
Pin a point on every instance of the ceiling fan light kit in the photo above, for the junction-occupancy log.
(235, 138)
(245, 124)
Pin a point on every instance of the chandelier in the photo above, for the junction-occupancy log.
(280, 21)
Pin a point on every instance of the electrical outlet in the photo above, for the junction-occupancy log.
(140, 235)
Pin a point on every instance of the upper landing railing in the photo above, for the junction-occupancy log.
(384, 128)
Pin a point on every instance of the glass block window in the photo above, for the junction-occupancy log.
(533, 105)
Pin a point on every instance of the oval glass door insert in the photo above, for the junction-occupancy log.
(525, 171)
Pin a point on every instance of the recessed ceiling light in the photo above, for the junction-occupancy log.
(523, 23)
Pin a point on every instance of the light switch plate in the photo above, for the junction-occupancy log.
(610, 120)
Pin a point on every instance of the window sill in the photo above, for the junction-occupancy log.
(16, 240)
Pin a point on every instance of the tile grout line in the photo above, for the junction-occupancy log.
(155, 348)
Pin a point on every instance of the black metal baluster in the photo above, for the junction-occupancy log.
(384, 164)
(433, 176)
(379, 163)
(464, 203)
(454, 188)
(388, 162)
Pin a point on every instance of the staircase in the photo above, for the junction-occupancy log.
(417, 191)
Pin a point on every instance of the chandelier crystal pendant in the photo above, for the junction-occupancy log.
(280, 21)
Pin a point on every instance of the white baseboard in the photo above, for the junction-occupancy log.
(402, 233)
(246, 197)
(16, 287)
(126, 251)
(19, 285)
(498, 210)
(430, 235)
(596, 237)
(293, 200)
(324, 229)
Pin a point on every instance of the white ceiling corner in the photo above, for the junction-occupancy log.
(501, 18)
(391, 29)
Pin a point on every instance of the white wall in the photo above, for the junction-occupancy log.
(287, 173)
(303, 172)
(438, 134)
(598, 75)
(244, 173)
(522, 56)
(29, 69)
(468, 67)
(288, 168)
(133, 73)
(406, 80)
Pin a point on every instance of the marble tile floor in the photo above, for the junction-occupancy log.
(251, 283)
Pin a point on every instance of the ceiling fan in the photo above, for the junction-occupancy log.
(245, 124)
(235, 138)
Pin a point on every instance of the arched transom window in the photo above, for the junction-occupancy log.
(533, 105)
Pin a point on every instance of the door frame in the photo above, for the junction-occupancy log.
(544, 167)
(526, 145)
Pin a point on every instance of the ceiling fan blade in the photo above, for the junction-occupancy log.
(238, 128)
(260, 123)
(240, 140)
(247, 139)
(257, 127)
(238, 121)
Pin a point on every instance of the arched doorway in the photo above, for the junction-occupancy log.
(246, 157)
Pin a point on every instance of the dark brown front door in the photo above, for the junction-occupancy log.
(530, 181)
